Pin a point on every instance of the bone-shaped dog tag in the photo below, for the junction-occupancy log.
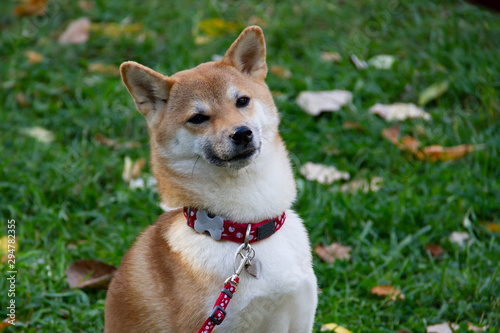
(205, 223)
(254, 268)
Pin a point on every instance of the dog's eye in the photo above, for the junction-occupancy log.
(198, 119)
(242, 102)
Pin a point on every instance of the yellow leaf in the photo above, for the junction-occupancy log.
(334, 328)
(384, 291)
(4, 248)
(281, 72)
(202, 40)
(104, 68)
(493, 227)
(33, 57)
(30, 7)
(217, 27)
(114, 30)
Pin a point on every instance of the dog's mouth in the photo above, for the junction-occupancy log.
(237, 161)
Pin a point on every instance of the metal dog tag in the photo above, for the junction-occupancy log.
(254, 268)
(206, 224)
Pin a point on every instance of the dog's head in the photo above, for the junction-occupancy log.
(214, 118)
(218, 110)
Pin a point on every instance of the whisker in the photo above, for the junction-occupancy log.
(192, 171)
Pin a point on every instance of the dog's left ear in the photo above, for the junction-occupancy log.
(248, 53)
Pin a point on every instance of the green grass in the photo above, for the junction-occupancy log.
(70, 202)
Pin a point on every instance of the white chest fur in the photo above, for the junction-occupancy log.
(282, 299)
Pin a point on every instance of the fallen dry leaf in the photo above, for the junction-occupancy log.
(4, 248)
(360, 64)
(132, 170)
(30, 8)
(392, 134)
(315, 102)
(112, 143)
(332, 327)
(333, 251)
(473, 328)
(104, 68)
(390, 291)
(5, 323)
(21, 100)
(217, 27)
(432, 92)
(362, 184)
(86, 5)
(255, 20)
(435, 250)
(77, 32)
(39, 133)
(331, 56)
(459, 238)
(382, 61)
(399, 111)
(442, 328)
(33, 57)
(410, 144)
(493, 227)
(352, 125)
(281, 72)
(322, 173)
(114, 30)
(91, 274)
(436, 152)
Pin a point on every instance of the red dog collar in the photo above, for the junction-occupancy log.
(218, 228)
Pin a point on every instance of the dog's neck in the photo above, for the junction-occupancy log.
(260, 191)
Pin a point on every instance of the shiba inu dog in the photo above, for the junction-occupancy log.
(225, 174)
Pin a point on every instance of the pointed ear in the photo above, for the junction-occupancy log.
(149, 89)
(248, 53)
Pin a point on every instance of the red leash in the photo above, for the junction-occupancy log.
(247, 253)
(220, 306)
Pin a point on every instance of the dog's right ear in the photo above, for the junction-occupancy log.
(149, 89)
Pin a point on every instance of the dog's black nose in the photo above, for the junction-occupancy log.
(242, 136)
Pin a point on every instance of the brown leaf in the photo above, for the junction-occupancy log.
(132, 170)
(21, 100)
(86, 5)
(493, 227)
(331, 252)
(138, 165)
(392, 134)
(386, 290)
(473, 328)
(6, 323)
(331, 57)
(89, 274)
(434, 250)
(33, 57)
(410, 144)
(30, 7)
(352, 125)
(77, 32)
(112, 143)
(104, 68)
(281, 72)
(436, 152)
(255, 20)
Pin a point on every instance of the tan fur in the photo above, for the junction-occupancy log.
(169, 279)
